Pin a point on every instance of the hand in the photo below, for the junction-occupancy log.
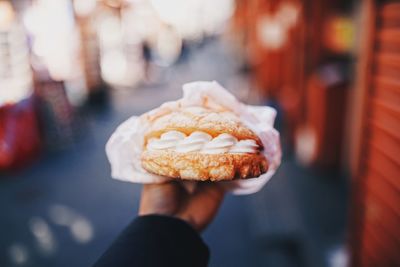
(172, 199)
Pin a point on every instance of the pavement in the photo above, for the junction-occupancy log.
(65, 210)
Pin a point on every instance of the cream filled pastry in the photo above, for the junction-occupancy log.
(202, 144)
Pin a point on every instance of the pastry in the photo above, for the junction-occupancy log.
(196, 143)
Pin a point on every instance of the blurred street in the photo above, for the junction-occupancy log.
(65, 210)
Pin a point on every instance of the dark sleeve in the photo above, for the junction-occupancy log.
(155, 240)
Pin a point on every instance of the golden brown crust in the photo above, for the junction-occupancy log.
(188, 120)
(202, 167)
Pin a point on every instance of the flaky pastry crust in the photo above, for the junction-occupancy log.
(203, 167)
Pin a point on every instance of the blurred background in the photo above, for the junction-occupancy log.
(72, 70)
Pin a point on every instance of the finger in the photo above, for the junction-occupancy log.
(160, 198)
(202, 206)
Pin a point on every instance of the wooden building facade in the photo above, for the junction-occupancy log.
(354, 121)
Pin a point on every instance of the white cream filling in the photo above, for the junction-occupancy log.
(202, 142)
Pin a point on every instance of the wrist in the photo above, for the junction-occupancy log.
(190, 220)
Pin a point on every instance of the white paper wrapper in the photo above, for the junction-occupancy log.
(125, 146)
